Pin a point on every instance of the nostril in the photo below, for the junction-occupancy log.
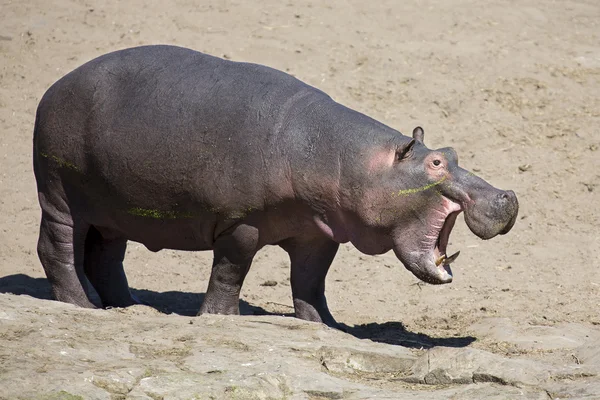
(504, 196)
(511, 197)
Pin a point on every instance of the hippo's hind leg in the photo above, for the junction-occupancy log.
(310, 259)
(233, 253)
(60, 249)
(103, 263)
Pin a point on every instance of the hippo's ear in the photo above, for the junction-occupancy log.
(403, 150)
(419, 134)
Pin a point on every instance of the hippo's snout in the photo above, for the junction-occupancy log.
(492, 215)
(508, 200)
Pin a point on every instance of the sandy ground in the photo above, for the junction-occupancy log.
(513, 86)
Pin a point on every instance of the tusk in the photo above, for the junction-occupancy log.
(452, 258)
(440, 260)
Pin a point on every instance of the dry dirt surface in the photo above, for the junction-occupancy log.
(513, 86)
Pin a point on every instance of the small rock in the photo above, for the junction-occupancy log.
(590, 186)
(438, 377)
(524, 167)
(269, 283)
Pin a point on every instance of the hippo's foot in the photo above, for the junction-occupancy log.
(311, 258)
(66, 297)
(233, 253)
(318, 313)
(213, 305)
(63, 269)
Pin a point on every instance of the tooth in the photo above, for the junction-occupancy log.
(452, 258)
(440, 260)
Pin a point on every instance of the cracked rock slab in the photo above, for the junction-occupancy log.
(446, 365)
(52, 350)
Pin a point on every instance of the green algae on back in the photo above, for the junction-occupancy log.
(61, 162)
(158, 214)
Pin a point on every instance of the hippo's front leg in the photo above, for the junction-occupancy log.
(233, 253)
(310, 259)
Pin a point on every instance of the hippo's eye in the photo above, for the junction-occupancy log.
(437, 163)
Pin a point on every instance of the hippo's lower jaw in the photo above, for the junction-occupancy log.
(431, 264)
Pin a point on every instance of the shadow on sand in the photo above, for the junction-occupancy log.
(182, 303)
(395, 333)
(188, 304)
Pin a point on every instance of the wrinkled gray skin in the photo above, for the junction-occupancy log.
(176, 149)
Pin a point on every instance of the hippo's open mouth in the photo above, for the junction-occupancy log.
(443, 261)
(435, 265)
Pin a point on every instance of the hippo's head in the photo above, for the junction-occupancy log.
(411, 202)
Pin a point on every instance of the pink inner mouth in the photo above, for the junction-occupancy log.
(444, 236)
(441, 227)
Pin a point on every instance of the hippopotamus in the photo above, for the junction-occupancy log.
(176, 149)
